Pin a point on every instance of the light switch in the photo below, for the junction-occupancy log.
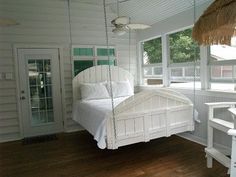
(8, 76)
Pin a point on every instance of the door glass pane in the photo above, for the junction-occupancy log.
(48, 78)
(47, 66)
(40, 86)
(48, 91)
(39, 65)
(176, 72)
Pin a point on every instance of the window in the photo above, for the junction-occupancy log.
(88, 56)
(181, 66)
(222, 66)
(152, 62)
(184, 57)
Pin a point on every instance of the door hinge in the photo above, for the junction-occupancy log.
(63, 123)
(61, 90)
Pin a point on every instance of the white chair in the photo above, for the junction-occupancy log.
(226, 127)
(232, 132)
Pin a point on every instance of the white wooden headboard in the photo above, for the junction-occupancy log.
(100, 73)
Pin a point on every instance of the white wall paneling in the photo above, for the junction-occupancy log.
(45, 22)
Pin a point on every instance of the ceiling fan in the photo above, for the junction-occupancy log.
(122, 23)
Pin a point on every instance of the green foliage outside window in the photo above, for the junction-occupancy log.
(153, 51)
(182, 48)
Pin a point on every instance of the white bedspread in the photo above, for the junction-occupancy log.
(92, 115)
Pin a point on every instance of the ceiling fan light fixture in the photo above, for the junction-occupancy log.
(119, 31)
(122, 20)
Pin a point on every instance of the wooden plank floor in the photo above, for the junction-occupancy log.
(76, 155)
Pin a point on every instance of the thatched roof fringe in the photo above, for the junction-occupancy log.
(217, 25)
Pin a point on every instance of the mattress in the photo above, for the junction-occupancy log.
(92, 115)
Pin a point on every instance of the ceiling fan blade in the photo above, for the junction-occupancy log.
(122, 20)
(136, 26)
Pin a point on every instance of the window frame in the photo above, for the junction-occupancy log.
(153, 65)
(205, 64)
(183, 65)
(95, 58)
(229, 62)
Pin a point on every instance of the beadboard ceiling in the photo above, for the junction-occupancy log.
(149, 11)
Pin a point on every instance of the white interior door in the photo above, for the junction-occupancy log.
(40, 91)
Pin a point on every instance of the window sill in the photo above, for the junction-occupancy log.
(215, 93)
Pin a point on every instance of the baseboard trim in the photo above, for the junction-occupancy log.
(74, 130)
(10, 139)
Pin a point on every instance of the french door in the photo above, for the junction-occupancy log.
(40, 91)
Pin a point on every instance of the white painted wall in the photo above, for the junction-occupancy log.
(46, 22)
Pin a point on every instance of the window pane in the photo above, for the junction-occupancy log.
(154, 71)
(189, 72)
(39, 64)
(104, 52)
(81, 65)
(47, 66)
(105, 62)
(176, 72)
(223, 52)
(48, 79)
(83, 52)
(152, 51)
(183, 48)
(157, 71)
(223, 87)
(147, 71)
(221, 72)
(32, 66)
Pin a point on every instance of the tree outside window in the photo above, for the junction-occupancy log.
(183, 48)
(152, 51)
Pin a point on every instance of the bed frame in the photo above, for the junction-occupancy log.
(146, 115)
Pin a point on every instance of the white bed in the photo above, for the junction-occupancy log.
(92, 115)
(138, 118)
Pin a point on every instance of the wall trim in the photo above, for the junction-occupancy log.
(220, 94)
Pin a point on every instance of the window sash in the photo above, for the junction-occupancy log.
(88, 56)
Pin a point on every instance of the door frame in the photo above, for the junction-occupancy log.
(16, 47)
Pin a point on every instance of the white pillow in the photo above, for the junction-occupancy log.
(120, 89)
(93, 91)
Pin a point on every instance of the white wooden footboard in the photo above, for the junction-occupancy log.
(142, 117)
(149, 115)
